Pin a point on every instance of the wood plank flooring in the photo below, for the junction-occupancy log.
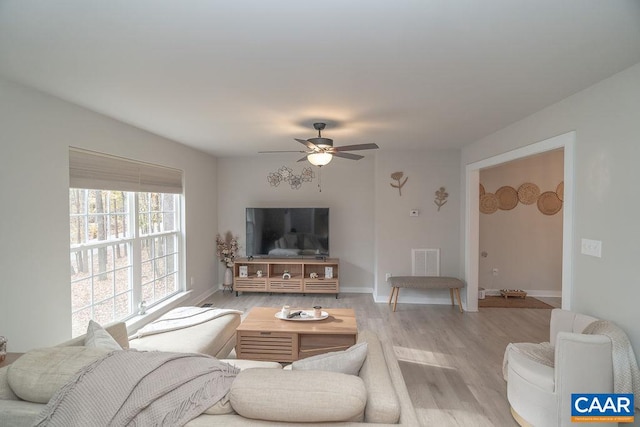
(451, 361)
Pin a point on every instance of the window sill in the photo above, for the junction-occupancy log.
(138, 321)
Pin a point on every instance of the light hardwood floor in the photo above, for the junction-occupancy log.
(451, 361)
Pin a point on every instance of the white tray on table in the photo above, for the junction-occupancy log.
(306, 315)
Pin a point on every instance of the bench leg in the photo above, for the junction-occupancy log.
(457, 291)
(395, 301)
(451, 295)
(393, 290)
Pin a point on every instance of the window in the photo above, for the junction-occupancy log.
(124, 245)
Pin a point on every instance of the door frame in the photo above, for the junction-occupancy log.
(472, 213)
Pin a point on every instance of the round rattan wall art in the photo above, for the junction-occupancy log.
(507, 198)
(549, 203)
(488, 203)
(560, 190)
(528, 193)
(482, 192)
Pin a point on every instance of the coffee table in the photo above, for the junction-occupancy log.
(261, 336)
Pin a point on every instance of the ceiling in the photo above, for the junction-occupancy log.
(235, 77)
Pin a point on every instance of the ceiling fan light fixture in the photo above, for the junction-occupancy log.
(319, 159)
(322, 142)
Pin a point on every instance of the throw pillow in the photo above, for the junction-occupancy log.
(39, 373)
(97, 337)
(298, 396)
(5, 389)
(348, 361)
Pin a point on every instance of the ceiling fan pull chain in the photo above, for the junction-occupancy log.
(319, 178)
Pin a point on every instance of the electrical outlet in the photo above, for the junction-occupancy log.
(387, 276)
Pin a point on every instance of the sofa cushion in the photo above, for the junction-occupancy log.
(298, 396)
(210, 337)
(348, 361)
(39, 373)
(383, 405)
(97, 337)
(243, 364)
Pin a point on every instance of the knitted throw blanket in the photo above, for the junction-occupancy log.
(626, 376)
(182, 317)
(542, 353)
(133, 388)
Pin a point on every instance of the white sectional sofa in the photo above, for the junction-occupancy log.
(262, 395)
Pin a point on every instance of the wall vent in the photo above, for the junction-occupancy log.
(425, 262)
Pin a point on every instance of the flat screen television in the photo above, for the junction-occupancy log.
(287, 232)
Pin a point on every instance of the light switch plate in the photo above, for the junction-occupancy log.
(592, 247)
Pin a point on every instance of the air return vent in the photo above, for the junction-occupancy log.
(425, 262)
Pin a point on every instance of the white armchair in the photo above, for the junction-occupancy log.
(538, 390)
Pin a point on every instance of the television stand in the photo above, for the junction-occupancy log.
(287, 275)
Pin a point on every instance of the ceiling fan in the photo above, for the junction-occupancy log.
(321, 150)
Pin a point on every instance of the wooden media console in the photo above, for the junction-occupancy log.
(303, 275)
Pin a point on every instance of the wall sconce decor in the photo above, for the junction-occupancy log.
(398, 177)
(285, 174)
(441, 198)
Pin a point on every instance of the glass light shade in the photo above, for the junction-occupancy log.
(319, 159)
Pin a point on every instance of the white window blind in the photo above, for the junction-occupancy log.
(89, 169)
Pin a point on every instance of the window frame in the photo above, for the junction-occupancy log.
(134, 242)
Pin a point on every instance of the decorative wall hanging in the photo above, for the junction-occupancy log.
(549, 203)
(441, 198)
(488, 203)
(528, 193)
(560, 190)
(285, 174)
(398, 177)
(507, 198)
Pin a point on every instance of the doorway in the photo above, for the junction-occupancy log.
(472, 213)
(521, 231)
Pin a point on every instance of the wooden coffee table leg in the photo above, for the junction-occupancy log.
(451, 295)
(393, 290)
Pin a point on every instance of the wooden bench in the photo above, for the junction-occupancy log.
(425, 282)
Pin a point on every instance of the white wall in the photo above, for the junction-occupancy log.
(37, 130)
(397, 233)
(605, 118)
(522, 243)
(347, 190)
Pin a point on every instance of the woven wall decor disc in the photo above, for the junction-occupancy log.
(482, 190)
(528, 193)
(560, 190)
(488, 203)
(549, 203)
(507, 198)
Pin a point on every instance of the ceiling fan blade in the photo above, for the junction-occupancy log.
(309, 144)
(302, 159)
(284, 151)
(348, 156)
(370, 146)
